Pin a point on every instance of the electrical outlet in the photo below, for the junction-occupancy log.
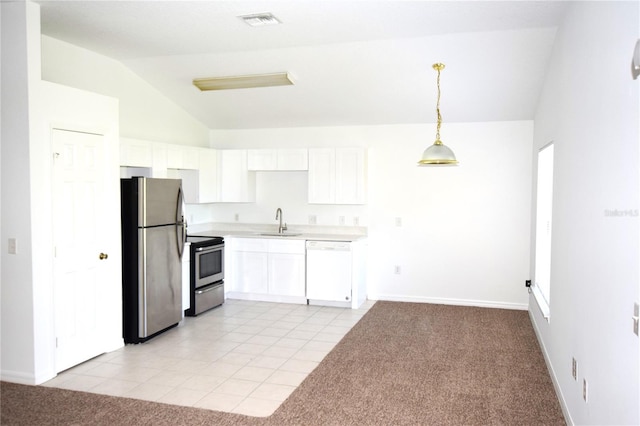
(398, 222)
(356, 221)
(585, 390)
(313, 220)
(236, 217)
(341, 220)
(636, 318)
(574, 369)
(396, 269)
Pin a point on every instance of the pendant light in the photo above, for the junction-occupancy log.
(438, 154)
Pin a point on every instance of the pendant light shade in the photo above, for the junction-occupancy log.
(438, 154)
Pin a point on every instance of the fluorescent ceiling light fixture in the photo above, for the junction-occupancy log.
(260, 19)
(243, 81)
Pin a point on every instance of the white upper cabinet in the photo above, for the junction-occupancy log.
(136, 153)
(237, 183)
(350, 175)
(199, 186)
(159, 160)
(322, 176)
(182, 157)
(277, 159)
(262, 159)
(293, 159)
(337, 175)
(208, 188)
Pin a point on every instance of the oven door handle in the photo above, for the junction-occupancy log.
(208, 249)
(206, 290)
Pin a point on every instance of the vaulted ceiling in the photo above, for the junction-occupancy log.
(353, 62)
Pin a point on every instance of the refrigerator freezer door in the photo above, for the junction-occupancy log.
(160, 281)
(159, 201)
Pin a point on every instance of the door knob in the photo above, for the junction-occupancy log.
(103, 256)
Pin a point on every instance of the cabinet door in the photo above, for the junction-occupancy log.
(174, 156)
(350, 176)
(293, 159)
(262, 159)
(286, 274)
(208, 175)
(250, 272)
(160, 161)
(190, 184)
(135, 153)
(190, 157)
(182, 157)
(237, 184)
(322, 176)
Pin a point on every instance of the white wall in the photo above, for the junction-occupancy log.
(589, 108)
(32, 106)
(464, 237)
(20, 72)
(145, 113)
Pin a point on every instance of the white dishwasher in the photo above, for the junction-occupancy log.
(329, 271)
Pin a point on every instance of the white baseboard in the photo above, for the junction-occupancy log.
(552, 373)
(446, 301)
(18, 377)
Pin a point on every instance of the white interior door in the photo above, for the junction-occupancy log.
(80, 261)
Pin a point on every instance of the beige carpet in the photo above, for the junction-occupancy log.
(402, 364)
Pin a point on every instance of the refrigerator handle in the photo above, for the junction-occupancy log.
(181, 238)
(181, 235)
(179, 203)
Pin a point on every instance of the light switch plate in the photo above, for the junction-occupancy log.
(636, 317)
(13, 246)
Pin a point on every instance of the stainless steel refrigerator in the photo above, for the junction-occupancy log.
(153, 240)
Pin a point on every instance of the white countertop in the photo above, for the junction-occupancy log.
(318, 233)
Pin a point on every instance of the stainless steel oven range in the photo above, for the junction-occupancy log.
(206, 287)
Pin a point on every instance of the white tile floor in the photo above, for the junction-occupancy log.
(242, 357)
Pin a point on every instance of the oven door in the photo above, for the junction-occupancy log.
(209, 265)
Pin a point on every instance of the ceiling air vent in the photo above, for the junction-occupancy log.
(260, 19)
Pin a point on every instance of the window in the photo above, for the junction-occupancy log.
(544, 208)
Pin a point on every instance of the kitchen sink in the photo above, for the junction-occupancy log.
(275, 234)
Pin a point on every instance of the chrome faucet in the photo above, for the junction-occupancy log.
(281, 228)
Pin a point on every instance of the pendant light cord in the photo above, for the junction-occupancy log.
(438, 108)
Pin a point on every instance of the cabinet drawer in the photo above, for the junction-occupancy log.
(287, 246)
(250, 244)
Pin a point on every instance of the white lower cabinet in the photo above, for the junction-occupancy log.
(286, 274)
(267, 269)
(250, 272)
